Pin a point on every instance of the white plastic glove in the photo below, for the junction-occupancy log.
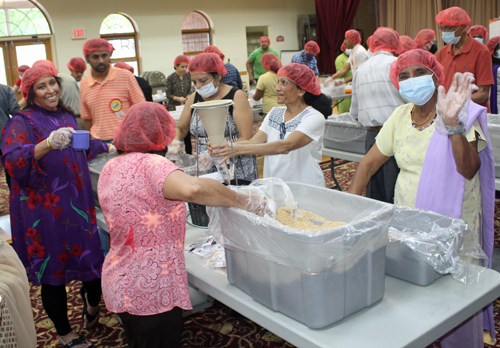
(254, 202)
(205, 161)
(175, 149)
(60, 138)
(252, 93)
(112, 149)
(339, 82)
(453, 107)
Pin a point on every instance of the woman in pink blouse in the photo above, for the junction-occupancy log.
(141, 193)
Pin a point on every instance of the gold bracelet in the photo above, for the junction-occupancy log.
(48, 144)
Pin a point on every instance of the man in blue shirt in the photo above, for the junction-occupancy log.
(232, 77)
(308, 56)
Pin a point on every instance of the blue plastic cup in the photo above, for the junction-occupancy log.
(80, 140)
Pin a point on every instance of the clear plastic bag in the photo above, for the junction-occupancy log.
(444, 243)
(312, 251)
(343, 128)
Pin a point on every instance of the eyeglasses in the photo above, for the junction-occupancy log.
(447, 28)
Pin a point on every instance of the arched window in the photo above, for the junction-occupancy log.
(21, 18)
(27, 29)
(196, 33)
(120, 30)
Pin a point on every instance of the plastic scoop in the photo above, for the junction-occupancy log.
(317, 222)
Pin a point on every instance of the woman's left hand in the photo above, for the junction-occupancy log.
(224, 150)
(450, 104)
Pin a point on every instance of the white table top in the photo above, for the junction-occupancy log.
(157, 99)
(407, 316)
(497, 184)
(348, 156)
(342, 96)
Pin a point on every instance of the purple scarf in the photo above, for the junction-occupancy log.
(493, 92)
(441, 187)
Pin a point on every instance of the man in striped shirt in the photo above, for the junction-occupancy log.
(107, 93)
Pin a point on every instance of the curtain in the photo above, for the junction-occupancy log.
(333, 18)
(408, 17)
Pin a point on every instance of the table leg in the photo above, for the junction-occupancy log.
(332, 170)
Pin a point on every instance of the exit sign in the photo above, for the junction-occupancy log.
(78, 34)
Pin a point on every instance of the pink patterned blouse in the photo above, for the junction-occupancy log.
(144, 272)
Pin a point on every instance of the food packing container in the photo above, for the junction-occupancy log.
(316, 277)
(343, 132)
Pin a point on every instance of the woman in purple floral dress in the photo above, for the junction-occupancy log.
(51, 201)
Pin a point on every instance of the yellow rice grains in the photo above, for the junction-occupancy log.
(302, 222)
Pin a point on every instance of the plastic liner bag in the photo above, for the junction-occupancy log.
(494, 131)
(312, 251)
(344, 128)
(444, 243)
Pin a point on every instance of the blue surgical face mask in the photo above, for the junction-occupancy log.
(479, 39)
(417, 90)
(449, 37)
(309, 56)
(347, 52)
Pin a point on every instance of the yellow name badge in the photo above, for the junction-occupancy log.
(116, 107)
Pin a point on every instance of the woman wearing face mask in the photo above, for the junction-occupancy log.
(426, 40)
(291, 137)
(479, 33)
(494, 47)
(447, 171)
(343, 105)
(206, 71)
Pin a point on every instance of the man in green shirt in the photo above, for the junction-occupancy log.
(255, 57)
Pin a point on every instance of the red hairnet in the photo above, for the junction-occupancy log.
(479, 30)
(22, 68)
(147, 126)
(44, 62)
(207, 63)
(491, 44)
(424, 36)
(453, 16)
(214, 49)
(386, 39)
(31, 75)
(77, 64)
(407, 43)
(369, 42)
(181, 59)
(312, 46)
(416, 57)
(123, 65)
(97, 45)
(264, 38)
(302, 76)
(353, 35)
(270, 61)
(342, 48)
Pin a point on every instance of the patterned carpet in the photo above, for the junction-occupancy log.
(217, 326)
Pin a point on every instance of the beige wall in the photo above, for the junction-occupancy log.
(159, 24)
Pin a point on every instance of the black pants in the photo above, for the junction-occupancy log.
(55, 302)
(382, 183)
(149, 331)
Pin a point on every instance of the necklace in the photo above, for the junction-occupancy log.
(415, 124)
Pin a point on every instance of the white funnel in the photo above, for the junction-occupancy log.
(213, 115)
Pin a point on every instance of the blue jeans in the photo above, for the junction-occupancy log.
(105, 240)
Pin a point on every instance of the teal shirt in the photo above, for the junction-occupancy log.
(255, 58)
